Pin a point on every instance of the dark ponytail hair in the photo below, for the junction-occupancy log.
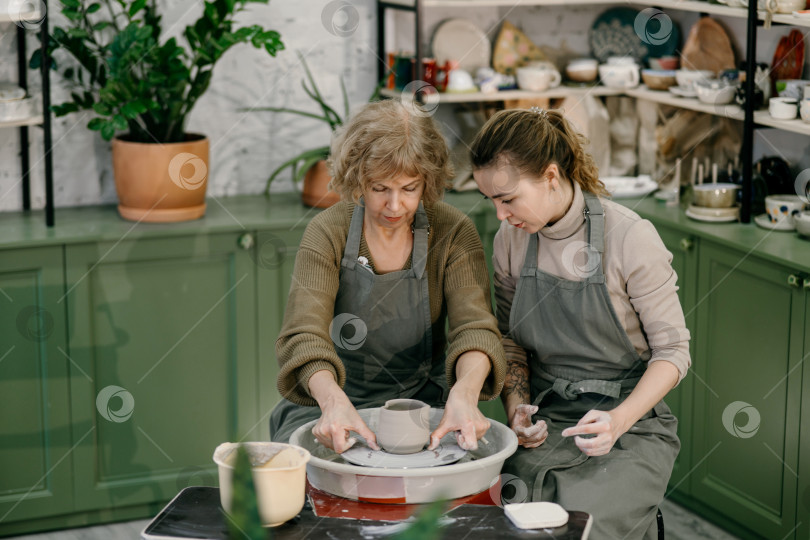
(531, 140)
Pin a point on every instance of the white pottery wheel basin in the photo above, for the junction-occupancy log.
(475, 472)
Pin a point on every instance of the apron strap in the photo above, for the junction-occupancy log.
(421, 229)
(352, 249)
(530, 262)
(570, 391)
(595, 222)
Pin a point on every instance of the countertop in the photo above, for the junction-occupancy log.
(285, 211)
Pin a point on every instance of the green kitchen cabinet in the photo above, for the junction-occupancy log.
(683, 247)
(163, 362)
(803, 494)
(35, 456)
(751, 326)
(275, 253)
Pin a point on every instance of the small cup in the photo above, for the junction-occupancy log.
(782, 108)
(403, 426)
(783, 208)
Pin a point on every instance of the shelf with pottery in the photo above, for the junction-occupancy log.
(471, 97)
(763, 118)
(6, 16)
(32, 121)
(665, 98)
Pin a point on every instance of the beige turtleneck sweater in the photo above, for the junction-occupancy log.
(638, 273)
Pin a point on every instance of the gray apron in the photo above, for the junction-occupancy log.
(580, 358)
(382, 333)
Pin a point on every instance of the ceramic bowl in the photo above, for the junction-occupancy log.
(715, 91)
(279, 474)
(665, 63)
(802, 221)
(783, 108)
(688, 77)
(716, 195)
(619, 75)
(582, 70)
(404, 426)
(782, 208)
(804, 110)
(657, 79)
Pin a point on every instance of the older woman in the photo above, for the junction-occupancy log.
(390, 295)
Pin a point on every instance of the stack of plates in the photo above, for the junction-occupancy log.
(713, 215)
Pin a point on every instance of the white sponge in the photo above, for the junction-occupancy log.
(536, 515)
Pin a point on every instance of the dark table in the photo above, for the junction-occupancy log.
(196, 513)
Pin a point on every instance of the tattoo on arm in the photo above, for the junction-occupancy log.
(516, 382)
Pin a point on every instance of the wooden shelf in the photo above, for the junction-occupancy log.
(559, 92)
(730, 110)
(763, 118)
(6, 17)
(33, 121)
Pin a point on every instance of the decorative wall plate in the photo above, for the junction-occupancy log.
(461, 40)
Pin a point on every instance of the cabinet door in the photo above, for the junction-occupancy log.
(275, 253)
(684, 261)
(35, 456)
(803, 500)
(746, 422)
(162, 342)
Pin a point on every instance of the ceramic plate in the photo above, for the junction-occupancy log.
(622, 187)
(614, 34)
(682, 91)
(460, 39)
(444, 454)
(710, 219)
(765, 222)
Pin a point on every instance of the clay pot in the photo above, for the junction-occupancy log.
(161, 182)
(404, 426)
(315, 191)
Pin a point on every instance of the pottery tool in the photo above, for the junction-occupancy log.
(700, 174)
(693, 177)
(714, 173)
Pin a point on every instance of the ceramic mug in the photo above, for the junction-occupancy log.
(403, 426)
(537, 79)
(619, 75)
(783, 208)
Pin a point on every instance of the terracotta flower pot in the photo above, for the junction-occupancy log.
(161, 182)
(315, 191)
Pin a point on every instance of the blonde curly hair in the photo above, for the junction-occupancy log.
(531, 141)
(384, 140)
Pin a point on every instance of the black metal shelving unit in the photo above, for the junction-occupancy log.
(45, 123)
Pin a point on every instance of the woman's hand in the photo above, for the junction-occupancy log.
(338, 415)
(461, 415)
(604, 425)
(529, 436)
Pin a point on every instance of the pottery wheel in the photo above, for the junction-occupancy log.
(444, 454)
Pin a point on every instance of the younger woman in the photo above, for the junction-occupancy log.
(593, 330)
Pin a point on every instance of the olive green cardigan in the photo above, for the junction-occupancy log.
(458, 289)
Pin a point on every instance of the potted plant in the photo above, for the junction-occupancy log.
(310, 165)
(145, 86)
